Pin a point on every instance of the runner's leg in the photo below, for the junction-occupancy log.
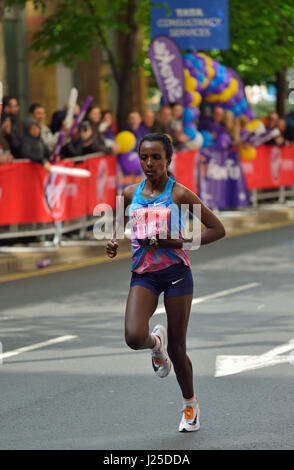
(178, 313)
(141, 305)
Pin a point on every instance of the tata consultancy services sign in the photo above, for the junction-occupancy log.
(193, 24)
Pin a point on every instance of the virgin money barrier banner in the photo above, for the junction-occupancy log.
(29, 194)
(271, 168)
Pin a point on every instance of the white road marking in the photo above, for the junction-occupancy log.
(14, 352)
(230, 365)
(221, 293)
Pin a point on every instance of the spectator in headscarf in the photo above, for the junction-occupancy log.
(33, 146)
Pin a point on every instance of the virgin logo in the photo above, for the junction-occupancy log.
(54, 194)
(101, 182)
(276, 164)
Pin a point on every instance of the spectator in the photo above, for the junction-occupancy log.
(239, 133)
(10, 108)
(289, 134)
(107, 126)
(147, 121)
(177, 116)
(271, 123)
(10, 111)
(163, 122)
(38, 112)
(5, 153)
(136, 126)
(56, 121)
(214, 125)
(33, 146)
(272, 120)
(180, 138)
(93, 116)
(85, 141)
(233, 126)
(59, 116)
(282, 139)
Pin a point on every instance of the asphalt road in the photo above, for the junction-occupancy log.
(92, 392)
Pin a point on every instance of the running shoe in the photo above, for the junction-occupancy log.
(160, 360)
(190, 418)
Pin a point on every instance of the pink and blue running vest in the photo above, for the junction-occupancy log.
(148, 259)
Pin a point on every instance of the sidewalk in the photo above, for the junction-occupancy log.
(236, 223)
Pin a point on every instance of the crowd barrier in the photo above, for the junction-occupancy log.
(34, 202)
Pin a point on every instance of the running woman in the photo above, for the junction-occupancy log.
(162, 265)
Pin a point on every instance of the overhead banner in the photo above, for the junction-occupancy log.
(192, 25)
(168, 68)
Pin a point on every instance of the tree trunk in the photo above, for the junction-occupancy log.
(3, 77)
(129, 54)
(281, 93)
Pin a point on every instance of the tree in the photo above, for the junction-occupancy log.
(77, 26)
(2, 48)
(262, 43)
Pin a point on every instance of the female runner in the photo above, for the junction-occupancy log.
(162, 265)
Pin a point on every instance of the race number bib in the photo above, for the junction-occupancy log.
(151, 221)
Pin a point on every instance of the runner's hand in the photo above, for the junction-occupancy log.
(111, 248)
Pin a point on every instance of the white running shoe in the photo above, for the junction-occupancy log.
(160, 360)
(190, 418)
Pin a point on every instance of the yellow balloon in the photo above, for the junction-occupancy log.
(197, 98)
(210, 72)
(205, 83)
(186, 74)
(224, 96)
(233, 87)
(211, 98)
(247, 153)
(126, 141)
(250, 126)
(190, 84)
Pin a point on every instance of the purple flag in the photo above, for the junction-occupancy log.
(221, 180)
(168, 68)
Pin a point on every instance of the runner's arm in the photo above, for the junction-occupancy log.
(214, 228)
(121, 220)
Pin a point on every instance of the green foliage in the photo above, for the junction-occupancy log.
(261, 34)
(77, 26)
(261, 38)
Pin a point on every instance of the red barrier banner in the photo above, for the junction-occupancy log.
(29, 194)
(273, 167)
(185, 167)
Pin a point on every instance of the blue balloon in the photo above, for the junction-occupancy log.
(189, 57)
(196, 63)
(207, 139)
(190, 131)
(188, 116)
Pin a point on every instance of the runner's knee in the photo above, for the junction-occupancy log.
(135, 340)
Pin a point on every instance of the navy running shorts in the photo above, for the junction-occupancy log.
(174, 281)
